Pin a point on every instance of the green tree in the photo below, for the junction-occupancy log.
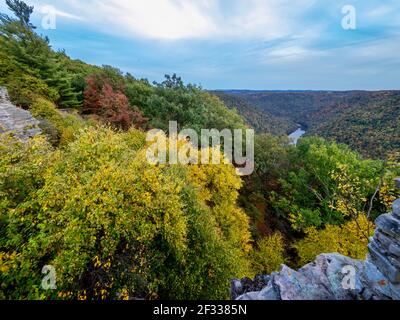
(348, 239)
(327, 184)
(21, 10)
(114, 226)
(269, 254)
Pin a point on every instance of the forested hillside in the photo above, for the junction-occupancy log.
(83, 198)
(371, 127)
(364, 120)
(262, 121)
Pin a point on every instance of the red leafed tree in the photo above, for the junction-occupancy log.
(109, 105)
(91, 102)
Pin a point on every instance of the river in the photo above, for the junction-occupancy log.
(295, 136)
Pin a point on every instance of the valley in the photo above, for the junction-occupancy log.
(367, 121)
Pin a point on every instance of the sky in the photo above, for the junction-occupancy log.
(234, 44)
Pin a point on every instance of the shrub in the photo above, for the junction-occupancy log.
(327, 184)
(269, 254)
(114, 226)
(60, 128)
(24, 89)
(350, 240)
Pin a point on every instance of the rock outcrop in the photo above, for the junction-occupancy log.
(336, 277)
(15, 120)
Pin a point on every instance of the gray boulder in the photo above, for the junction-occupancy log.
(16, 121)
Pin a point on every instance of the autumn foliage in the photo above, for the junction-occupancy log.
(82, 197)
(110, 104)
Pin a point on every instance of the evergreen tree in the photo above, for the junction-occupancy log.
(21, 10)
(61, 81)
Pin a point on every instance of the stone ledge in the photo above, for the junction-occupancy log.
(16, 121)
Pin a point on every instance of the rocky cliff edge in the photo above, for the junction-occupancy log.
(336, 277)
(15, 120)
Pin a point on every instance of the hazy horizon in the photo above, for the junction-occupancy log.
(299, 90)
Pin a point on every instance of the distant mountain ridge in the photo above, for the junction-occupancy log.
(262, 121)
(280, 91)
(367, 121)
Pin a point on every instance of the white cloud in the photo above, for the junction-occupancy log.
(290, 53)
(380, 11)
(46, 9)
(287, 52)
(67, 15)
(158, 19)
(188, 19)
